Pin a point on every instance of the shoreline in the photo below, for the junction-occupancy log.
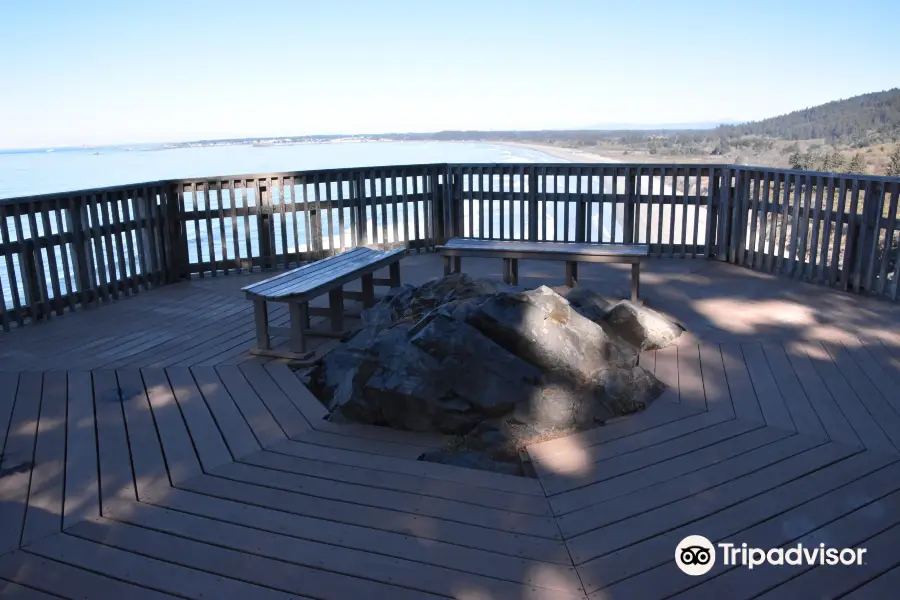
(567, 154)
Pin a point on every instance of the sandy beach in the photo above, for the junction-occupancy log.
(566, 154)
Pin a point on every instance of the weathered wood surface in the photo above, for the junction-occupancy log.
(323, 275)
(146, 455)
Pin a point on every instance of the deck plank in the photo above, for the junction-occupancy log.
(261, 422)
(150, 474)
(142, 570)
(18, 460)
(82, 493)
(178, 449)
(715, 384)
(66, 581)
(883, 586)
(282, 409)
(8, 589)
(666, 470)
(742, 504)
(690, 379)
(804, 416)
(116, 475)
(860, 517)
(433, 552)
(350, 573)
(251, 567)
(462, 534)
(771, 402)
(658, 495)
(640, 450)
(743, 396)
(211, 447)
(440, 508)
(234, 428)
(9, 382)
(45, 499)
(402, 483)
(856, 412)
(830, 414)
(872, 396)
(657, 414)
(839, 579)
(780, 530)
(496, 481)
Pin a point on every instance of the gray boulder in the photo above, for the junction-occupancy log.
(488, 376)
(541, 327)
(642, 327)
(589, 303)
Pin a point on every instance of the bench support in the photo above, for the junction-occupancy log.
(336, 309)
(299, 312)
(571, 273)
(635, 281)
(394, 274)
(261, 316)
(368, 291)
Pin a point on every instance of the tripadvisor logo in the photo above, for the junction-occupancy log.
(695, 555)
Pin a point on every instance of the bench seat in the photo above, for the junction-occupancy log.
(570, 252)
(299, 286)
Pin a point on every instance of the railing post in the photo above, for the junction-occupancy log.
(174, 239)
(713, 212)
(532, 204)
(28, 262)
(725, 195)
(580, 208)
(628, 217)
(85, 273)
(265, 227)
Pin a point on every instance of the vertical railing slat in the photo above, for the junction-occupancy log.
(891, 224)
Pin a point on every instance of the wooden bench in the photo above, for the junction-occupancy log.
(570, 252)
(297, 287)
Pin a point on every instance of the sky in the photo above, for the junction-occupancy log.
(102, 72)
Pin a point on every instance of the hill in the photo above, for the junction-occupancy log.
(858, 121)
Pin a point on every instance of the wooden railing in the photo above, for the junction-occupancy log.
(62, 252)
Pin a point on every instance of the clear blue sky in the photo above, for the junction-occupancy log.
(92, 71)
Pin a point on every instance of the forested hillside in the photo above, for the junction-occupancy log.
(861, 120)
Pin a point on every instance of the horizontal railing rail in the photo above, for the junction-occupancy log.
(61, 252)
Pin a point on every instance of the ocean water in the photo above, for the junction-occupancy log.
(39, 172)
(30, 173)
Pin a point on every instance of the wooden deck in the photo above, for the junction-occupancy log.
(145, 453)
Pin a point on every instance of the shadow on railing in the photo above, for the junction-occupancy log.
(60, 252)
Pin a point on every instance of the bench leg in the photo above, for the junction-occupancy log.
(446, 265)
(507, 271)
(571, 273)
(299, 312)
(368, 290)
(336, 309)
(635, 281)
(457, 264)
(514, 270)
(261, 316)
(394, 274)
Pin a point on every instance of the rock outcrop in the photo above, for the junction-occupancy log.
(494, 364)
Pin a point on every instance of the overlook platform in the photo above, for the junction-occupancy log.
(147, 454)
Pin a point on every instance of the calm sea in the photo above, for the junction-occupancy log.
(31, 173)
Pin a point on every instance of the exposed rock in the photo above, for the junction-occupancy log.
(494, 382)
(642, 327)
(541, 327)
(589, 303)
(494, 365)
